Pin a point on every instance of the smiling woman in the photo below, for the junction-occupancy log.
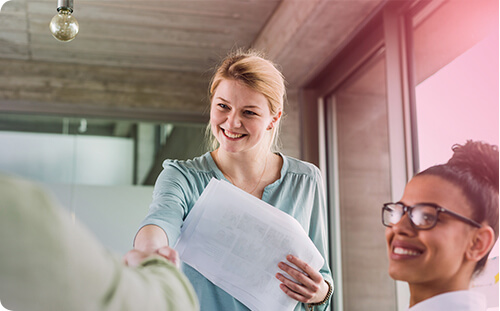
(240, 117)
(440, 233)
(255, 74)
(246, 104)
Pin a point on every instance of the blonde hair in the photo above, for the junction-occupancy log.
(257, 73)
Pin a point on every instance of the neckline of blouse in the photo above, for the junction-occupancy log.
(283, 171)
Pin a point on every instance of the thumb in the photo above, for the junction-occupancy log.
(170, 254)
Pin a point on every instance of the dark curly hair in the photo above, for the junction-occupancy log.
(474, 168)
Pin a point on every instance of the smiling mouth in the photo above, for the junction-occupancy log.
(232, 135)
(405, 251)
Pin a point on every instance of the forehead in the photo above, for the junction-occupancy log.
(236, 92)
(434, 189)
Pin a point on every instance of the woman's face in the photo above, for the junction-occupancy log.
(432, 257)
(240, 118)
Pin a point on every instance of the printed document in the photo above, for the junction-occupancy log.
(236, 241)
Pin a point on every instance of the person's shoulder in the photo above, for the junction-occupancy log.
(10, 182)
(461, 300)
(296, 166)
(199, 164)
(185, 175)
(17, 190)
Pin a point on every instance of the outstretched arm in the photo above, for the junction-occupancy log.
(150, 238)
(49, 263)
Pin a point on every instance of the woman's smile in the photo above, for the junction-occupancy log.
(232, 135)
(405, 251)
(401, 250)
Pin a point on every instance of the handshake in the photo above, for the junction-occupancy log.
(134, 257)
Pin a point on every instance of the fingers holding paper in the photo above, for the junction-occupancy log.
(307, 285)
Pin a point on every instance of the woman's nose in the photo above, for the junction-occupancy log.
(233, 120)
(404, 226)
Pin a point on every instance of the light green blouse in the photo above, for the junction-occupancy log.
(299, 192)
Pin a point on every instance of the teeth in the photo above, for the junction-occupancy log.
(404, 251)
(231, 135)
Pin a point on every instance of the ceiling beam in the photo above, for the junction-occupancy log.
(84, 90)
(301, 36)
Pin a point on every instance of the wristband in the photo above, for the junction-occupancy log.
(322, 302)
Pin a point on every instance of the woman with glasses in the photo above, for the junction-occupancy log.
(440, 233)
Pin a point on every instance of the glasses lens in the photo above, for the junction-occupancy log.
(424, 216)
(391, 214)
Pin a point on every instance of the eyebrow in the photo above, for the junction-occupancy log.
(423, 202)
(252, 107)
(220, 98)
(244, 107)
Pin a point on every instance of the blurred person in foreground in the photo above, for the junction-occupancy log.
(50, 263)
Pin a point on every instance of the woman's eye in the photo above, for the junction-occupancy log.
(248, 112)
(429, 218)
(223, 106)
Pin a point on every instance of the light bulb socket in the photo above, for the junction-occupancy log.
(66, 5)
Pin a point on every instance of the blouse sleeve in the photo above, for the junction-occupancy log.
(173, 196)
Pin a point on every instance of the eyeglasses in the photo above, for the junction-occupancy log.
(423, 216)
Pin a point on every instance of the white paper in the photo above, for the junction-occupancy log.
(236, 241)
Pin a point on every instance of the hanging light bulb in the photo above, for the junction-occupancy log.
(64, 26)
(2, 2)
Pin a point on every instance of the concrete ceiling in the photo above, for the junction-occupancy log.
(172, 35)
(152, 58)
(183, 35)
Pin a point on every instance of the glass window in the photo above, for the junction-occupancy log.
(457, 94)
(100, 170)
(93, 151)
(459, 102)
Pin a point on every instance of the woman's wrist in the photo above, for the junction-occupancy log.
(327, 296)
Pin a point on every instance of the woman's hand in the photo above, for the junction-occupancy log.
(308, 287)
(134, 257)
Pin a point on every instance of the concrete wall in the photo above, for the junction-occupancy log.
(364, 184)
(99, 91)
(291, 126)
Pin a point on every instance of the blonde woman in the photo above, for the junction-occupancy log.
(247, 94)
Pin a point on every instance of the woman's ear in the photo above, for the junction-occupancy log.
(274, 121)
(483, 241)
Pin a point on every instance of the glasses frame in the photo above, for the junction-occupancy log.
(439, 210)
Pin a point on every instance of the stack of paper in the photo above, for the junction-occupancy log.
(236, 241)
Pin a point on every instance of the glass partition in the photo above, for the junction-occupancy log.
(93, 151)
(100, 170)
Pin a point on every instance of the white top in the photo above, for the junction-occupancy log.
(464, 300)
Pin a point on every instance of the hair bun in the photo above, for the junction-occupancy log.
(479, 159)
